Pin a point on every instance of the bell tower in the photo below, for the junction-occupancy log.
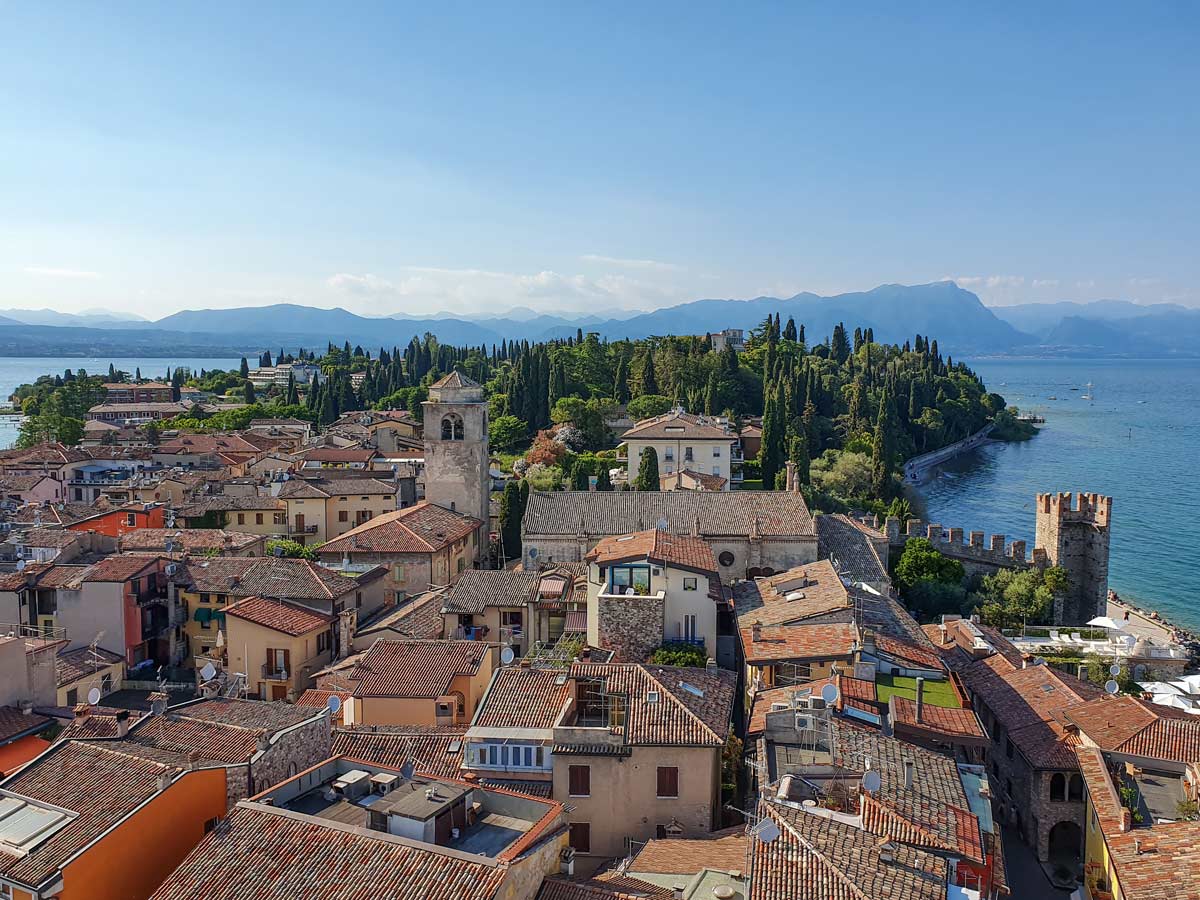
(456, 448)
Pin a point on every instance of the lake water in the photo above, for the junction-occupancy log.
(18, 370)
(1138, 441)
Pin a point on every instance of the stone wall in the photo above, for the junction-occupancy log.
(631, 625)
(979, 553)
(1074, 532)
(290, 751)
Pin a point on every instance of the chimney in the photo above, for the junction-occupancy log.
(82, 711)
(678, 890)
(345, 632)
(710, 666)
(908, 774)
(1081, 672)
(164, 779)
(920, 697)
(122, 723)
(792, 481)
(264, 742)
(756, 632)
(193, 760)
(27, 707)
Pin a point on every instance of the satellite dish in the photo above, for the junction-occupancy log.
(334, 704)
(278, 550)
(170, 546)
(829, 693)
(1114, 670)
(94, 696)
(208, 672)
(533, 552)
(662, 525)
(406, 770)
(158, 707)
(1111, 686)
(507, 656)
(21, 565)
(871, 782)
(766, 831)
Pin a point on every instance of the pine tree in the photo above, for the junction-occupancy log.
(647, 474)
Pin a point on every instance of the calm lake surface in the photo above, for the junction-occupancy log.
(1138, 440)
(18, 370)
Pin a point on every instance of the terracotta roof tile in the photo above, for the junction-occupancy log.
(797, 642)
(724, 850)
(792, 596)
(269, 576)
(263, 853)
(121, 568)
(434, 751)
(478, 589)
(424, 528)
(521, 697)
(415, 669)
(657, 546)
(1130, 725)
(287, 618)
(677, 424)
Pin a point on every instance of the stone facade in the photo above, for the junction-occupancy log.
(285, 753)
(632, 626)
(979, 553)
(1074, 532)
(456, 448)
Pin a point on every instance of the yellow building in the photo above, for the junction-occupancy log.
(80, 670)
(278, 645)
(419, 682)
(320, 509)
(685, 443)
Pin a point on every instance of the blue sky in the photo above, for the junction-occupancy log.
(569, 157)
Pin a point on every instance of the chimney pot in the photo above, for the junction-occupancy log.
(756, 631)
(920, 697)
(908, 774)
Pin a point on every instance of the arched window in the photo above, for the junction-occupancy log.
(452, 427)
(1058, 787)
(1075, 790)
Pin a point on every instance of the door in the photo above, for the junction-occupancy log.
(299, 523)
(279, 691)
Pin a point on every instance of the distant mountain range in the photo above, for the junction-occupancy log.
(962, 325)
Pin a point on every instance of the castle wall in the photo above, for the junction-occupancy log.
(1074, 532)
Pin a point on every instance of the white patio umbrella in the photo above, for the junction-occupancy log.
(1107, 622)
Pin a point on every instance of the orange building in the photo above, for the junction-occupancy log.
(113, 819)
(116, 522)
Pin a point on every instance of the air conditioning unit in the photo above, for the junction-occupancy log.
(172, 568)
(804, 723)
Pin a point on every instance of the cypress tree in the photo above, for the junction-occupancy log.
(248, 393)
(649, 382)
(604, 480)
(770, 454)
(798, 454)
(293, 395)
(789, 330)
(647, 474)
(883, 449)
(621, 380)
(244, 368)
(579, 476)
(510, 520)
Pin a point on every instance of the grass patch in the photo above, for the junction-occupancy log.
(936, 693)
(751, 484)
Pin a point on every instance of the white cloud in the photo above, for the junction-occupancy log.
(631, 263)
(1144, 282)
(427, 289)
(1045, 282)
(987, 281)
(48, 272)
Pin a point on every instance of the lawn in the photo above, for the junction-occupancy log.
(751, 484)
(937, 693)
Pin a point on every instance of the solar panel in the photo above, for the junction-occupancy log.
(25, 824)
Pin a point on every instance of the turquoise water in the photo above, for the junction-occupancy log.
(18, 370)
(1138, 440)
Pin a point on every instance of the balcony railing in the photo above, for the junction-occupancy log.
(302, 529)
(471, 633)
(691, 642)
(274, 673)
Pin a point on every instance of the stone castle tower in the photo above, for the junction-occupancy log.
(456, 448)
(1073, 532)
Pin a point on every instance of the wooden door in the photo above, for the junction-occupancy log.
(279, 691)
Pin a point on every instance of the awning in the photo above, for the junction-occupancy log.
(576, 620)
(203, 614)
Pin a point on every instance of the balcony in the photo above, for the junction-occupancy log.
(691, 642)
(274, 673)
(470, 633)
(302, 529)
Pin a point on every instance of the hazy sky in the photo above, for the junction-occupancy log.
(594, 156)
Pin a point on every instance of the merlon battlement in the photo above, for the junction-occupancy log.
(1081, 507)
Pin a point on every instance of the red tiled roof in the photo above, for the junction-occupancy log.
(120, 568)
(789, 642)
(266, 854)
(908, 652)
(1130, 725)
(415, 669)
(658, 546)
(424, 528)
(951, 721)
(428, 748)
(318, 699)
(800, 593)
(14, 723)
(278, 616)
(522, 698)
(723, 850)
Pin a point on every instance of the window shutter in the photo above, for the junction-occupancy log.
(668, 781)
(579, 781)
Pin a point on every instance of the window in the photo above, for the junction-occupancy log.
(241, 518)
(279, 518)
(106, 684)
(343, 515)
(579, 781)
(687, 454)
(716, 452)
(668, 781)
(580, 837)
(1058, 787)
(204, 598)
(398, 572)
(623, 577)
(669, 453)
(131, 519)
(689, 628)
(323, 641)
(73, 698)
(716, 470)
(258, 518)
(452, 427)
(689, 584)
(1075, 790)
